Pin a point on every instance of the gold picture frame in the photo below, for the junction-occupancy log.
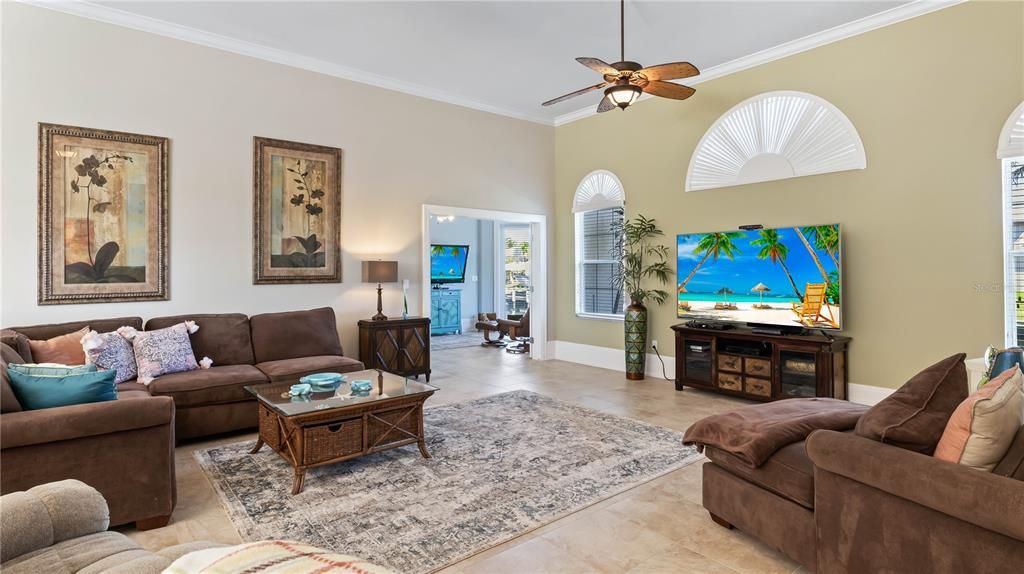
(103, 228)
(296, 212)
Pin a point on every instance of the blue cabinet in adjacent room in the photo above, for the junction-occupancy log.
(445, 311)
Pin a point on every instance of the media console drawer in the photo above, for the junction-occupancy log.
(757, 367)
(760, 387)
(730, 381)
(730, 363)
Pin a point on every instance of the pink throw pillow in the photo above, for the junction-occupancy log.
(984, 425)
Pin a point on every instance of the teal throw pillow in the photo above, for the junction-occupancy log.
(48, 391)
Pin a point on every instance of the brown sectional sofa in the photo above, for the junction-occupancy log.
(840, 503)
(125, 448)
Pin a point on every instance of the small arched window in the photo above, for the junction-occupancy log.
(1010, 150)
(598, 208)
(775, 135)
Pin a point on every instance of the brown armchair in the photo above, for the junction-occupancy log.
(518, 332)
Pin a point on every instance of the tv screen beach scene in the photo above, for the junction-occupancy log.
(788, 276)
(448, 263)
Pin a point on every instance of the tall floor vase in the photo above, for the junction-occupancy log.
(636, 341)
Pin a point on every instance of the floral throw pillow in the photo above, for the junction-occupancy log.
(164, 351)
(110, 352)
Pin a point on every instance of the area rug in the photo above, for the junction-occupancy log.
(501, 466)
(456, 341)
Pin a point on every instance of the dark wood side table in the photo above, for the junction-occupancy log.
(399, 346)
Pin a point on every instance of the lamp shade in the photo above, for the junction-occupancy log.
(380, 271)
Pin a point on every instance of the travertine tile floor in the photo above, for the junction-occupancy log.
(658, 527)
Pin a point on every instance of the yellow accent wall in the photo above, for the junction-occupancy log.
(922, 225)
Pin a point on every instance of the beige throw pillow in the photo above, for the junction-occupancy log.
(982, 428)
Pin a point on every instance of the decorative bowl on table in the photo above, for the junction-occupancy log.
(361, 388)
(323, 381)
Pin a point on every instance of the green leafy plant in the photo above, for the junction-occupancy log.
(640, 259)
(832, 291)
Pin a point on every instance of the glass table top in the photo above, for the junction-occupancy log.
(384, 386)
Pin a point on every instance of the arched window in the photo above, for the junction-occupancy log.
(775, 135)
(598, 208)
(1010, 150)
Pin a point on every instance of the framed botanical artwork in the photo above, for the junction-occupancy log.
(102, 216)
(297, 212)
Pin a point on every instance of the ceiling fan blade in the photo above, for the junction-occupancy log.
(574, 94)
(606, 105)
(670, 71)
(668, 90)
(599, 66)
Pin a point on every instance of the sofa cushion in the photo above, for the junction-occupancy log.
(63, 349)
(789, 472)
(224, 384)
(51, 391)
(54, 329)
(224, 337)
(983, 427)
(294, 369)
(294, 334)
(8, 400)
(915, 415)
(75, 554)
(19, 343)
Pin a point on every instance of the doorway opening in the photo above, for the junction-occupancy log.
(485, 282)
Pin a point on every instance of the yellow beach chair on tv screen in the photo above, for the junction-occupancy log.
(812, 312)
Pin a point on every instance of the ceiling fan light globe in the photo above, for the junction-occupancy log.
(623, 96)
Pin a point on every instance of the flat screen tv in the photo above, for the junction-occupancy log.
(448, 263)
(787, 276)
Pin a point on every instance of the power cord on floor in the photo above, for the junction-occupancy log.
(664, 373)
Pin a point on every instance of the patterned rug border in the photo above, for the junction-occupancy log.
(202, 458)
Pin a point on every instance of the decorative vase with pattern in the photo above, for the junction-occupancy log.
(636, 341)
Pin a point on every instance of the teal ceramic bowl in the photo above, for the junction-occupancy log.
(361, 388)
(323, 381)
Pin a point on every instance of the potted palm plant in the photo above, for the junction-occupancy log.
(640, 260)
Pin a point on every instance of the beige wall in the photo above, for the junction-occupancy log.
(400, 151)
(922, 224)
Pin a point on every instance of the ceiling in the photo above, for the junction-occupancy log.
(505, 57)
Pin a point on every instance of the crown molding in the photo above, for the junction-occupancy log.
(134, 21)
(841, 32)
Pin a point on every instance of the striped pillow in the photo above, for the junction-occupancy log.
(982, 428)
(270, 556)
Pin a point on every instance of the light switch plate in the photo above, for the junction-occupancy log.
(405, 283)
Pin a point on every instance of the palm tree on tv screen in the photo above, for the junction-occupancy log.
(825, 238)
(774, 249)
(814, 255)
(713, 245)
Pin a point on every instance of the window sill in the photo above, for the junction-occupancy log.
(600, 316)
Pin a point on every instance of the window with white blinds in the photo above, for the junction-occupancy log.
(599, 212)
(1013, 173)
(597, 268)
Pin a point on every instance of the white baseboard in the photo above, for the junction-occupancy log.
(605, 357)
(866, 394)
(610, 358)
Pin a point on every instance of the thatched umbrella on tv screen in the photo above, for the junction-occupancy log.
(760, 289)
(725, 292)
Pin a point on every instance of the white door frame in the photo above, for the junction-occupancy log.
(538, 264)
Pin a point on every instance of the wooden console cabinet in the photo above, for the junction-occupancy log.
(742, 363)
(399, 346)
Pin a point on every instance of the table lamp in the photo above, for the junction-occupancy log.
(380, 272)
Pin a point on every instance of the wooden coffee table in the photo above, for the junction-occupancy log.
(332, 426)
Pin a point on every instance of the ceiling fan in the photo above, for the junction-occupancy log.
(629, 79)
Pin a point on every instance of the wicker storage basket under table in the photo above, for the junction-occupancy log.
(332, 426)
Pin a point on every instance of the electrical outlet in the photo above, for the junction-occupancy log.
(654, 344)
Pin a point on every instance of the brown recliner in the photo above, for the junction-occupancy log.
(518, 332)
